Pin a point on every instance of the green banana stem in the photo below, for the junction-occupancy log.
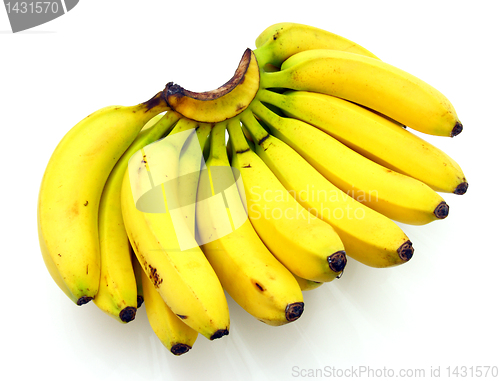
(264, 113)
(183, 125)
(218, 142)
(161, 128)
(274, 79)
(239, 143)
(259, 134)
(203, 132)
(271, 97)
(264, 56)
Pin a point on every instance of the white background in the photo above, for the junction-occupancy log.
(438, 310)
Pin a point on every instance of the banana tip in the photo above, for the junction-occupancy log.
(337, 261)
(83, 300)
(219, 333)
(127, 314)
(140, 300)
(457, 129)
(442, 210)
(405, 251)
(461, 188)
(179, 349)
(293, 311)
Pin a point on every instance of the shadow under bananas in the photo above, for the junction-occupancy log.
(370, 292)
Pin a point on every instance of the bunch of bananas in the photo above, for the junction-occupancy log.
(260, 189)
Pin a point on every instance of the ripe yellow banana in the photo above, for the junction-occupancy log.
(190, 164)
(375, 137)
(174, 334)
(220, 104)
(306, 245)
(163, 244)
(369, 237)
(306, 284)
(248, 271)
(117, 295)
(371, 83)
(71, 188)
(397, 196)
(280, 41)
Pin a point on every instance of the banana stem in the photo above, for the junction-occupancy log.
(161, 128)
(271, 97)
(184, 125)
(166, 123)
(259, 134)
(264, 56)
(218, 142)
(238, 141)
(203, 132)
(264, 113)
(276, 79)
(154, 106)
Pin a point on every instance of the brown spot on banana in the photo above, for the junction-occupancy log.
(259, 286)
(222, 103)
(243, 151)
(263, 140)
(155, 277)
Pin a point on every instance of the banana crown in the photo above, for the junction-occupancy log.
(220, 104)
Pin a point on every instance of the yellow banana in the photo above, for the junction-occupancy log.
(306, 245)
(369, 237)
(371, 83)
(397, 196)
(117, 295)
(375, 137)
(280, 41)
(220, 104)
(174, 334)
(163, 244)
(190, 164)
(71, 188)
(248, 271)
(306, 284)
